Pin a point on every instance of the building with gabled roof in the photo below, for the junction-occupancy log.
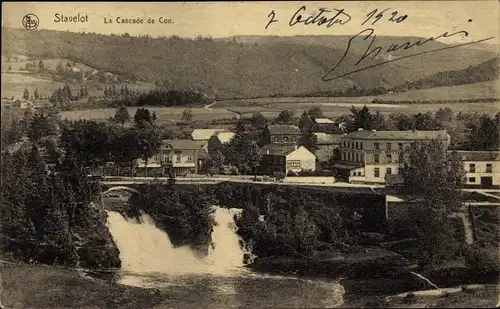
(482, 168)
(283, 134)
(201, 136)
(285, 158)
(180, 155)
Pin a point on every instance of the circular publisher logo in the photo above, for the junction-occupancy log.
(30, 21)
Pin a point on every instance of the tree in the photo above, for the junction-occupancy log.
(284, 117)
(41, 67)
(60, 69)
(85, 92)
(143, 117)
(122, 115)
(243, 153)
(148, 142)
(360, 118)
(40, 126)
(315, 112)
(434, 178)
(484, 135)
(36, 94)
(113, 92)
(259, 122)
(187, 115)
(106, 91)
(26, 94)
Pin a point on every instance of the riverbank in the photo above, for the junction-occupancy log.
(42, 286)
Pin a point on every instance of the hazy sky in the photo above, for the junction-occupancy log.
(222, 19)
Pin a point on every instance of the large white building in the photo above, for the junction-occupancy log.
(482, 168)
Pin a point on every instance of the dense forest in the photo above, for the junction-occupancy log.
(230, 69)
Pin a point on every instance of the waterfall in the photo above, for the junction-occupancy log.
(144, 248)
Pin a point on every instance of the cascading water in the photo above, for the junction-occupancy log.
(215, 281)
(146, 248)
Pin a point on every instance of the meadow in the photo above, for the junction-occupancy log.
(164, 115)
(13, 85)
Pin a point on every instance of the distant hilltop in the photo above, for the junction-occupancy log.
(239, 67)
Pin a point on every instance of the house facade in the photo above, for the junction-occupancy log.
(286, 158)
(283, 134)
(482, 168)
(181, 155)
(371, 156)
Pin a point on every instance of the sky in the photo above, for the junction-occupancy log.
(223, 19)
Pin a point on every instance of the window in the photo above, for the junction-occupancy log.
(388, 171)
(472, 168)
(472, 179)
(388, 146)
(376, 145)
(376, 172)
(489, 168)
(388, 158)
(362, 157)
(376, 158)
(356, 145)
(400, 145)
(357, 157)
(360, 145)
(190, 159)
(178, 159)
(348, 156)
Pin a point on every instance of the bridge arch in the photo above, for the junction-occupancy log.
(121, 188)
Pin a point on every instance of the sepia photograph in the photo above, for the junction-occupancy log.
(259, 154)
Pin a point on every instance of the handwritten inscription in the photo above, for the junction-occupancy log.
(331, 17)
(321, 17)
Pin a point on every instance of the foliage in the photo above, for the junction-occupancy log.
(143, 118)
(186, 215)
(187, 115)
(46, 216)
(307, 127)
(243, 153)
(284, 117)
(122, 115)
(433, 178)
(360, 118)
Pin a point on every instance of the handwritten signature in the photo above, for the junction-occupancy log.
(373, 52)
(341, 17)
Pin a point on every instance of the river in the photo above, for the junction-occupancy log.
(217, 280)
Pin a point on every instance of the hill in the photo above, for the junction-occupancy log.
(234, 70)
(486, 71)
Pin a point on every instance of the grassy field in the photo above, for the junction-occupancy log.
(336, 106)
(13, 85)
(163, 114)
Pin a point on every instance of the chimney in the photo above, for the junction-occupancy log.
(360, 129)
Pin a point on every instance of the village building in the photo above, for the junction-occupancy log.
(325, 125)
(283, 134)
(482, 168)
(326, 145)
(285, 158)
(201, 136)
(182, 156)
(369, 156)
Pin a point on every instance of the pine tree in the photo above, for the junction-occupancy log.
(26, 94)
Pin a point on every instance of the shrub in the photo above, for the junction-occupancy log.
(410, 298)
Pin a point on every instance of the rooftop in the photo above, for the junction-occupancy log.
(398, 135)
(204, 134)
(466, 155)
(284, 129)
(225, 137)
(327, 139)
(324, 120)
(180, 144)
(277, 150)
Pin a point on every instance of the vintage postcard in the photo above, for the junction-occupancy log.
(315, 154)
